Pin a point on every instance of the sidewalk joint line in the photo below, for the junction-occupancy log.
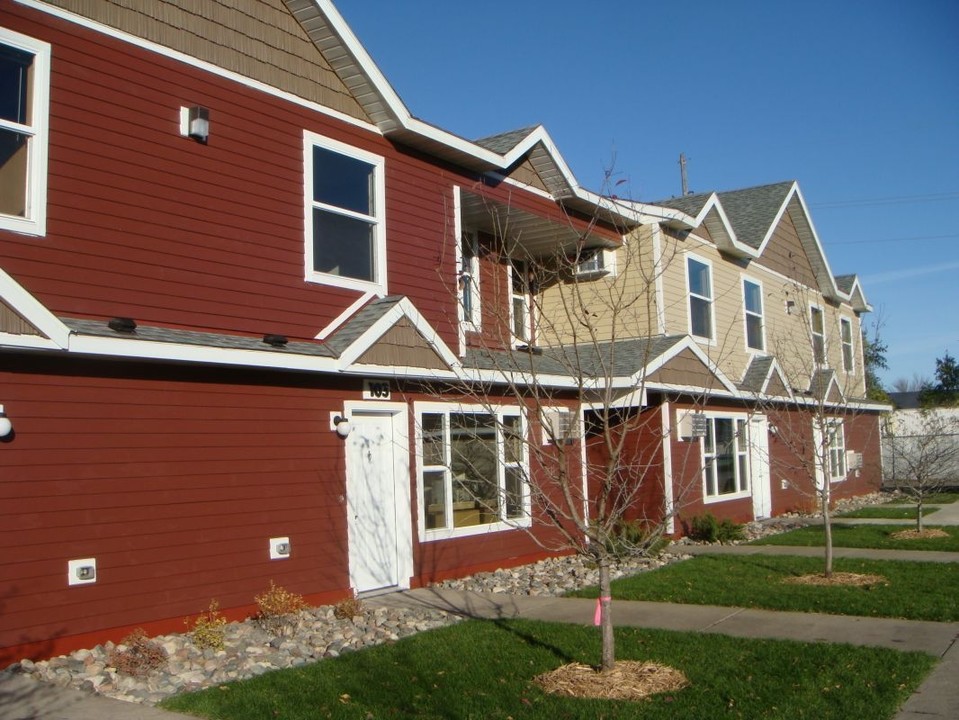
(725, 618)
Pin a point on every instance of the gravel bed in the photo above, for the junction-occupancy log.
(250, 651)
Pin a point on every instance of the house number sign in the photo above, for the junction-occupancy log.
(376, 390)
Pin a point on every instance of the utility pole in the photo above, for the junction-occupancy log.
(682, 172)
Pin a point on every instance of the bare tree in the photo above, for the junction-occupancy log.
(914, 384)
(922, 453)
(582, 466)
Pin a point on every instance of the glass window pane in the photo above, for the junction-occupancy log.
(343, 181)
(754, 332)
(710, 438)
(14, 154)
(434, 445)
(342, 246)
(699, 279)
(743, 473)
(519, 318)
(514, 493)
(700, 317)
(512, 439)
(474, 469)
(15, 93)
(754, 299)
(819, 348)
(434, 499)
(816, 318)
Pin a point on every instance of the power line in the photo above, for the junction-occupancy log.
(933, 197)
(892, 240)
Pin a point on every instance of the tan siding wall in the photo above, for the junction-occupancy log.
(258, 39)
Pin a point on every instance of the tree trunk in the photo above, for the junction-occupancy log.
(606, 616)
(919, 514)
(827, 528)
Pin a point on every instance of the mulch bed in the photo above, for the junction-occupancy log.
(916, 535)
(628, 680)
(838, 578)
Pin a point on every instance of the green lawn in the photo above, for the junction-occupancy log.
(943, 498)
(864, 536)
(917, 591)
(484, 670)
(887, 512)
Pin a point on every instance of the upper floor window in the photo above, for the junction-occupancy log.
(699, 276)
(24, 93)
(845, 332)
(818, 328)
(469, 279)
(520, 312)
(473, 470)
(594, 263)
(753, 307)
(345, 238)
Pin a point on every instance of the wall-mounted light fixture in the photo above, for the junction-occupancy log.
(790, 305)
(6, 427)
(280, 548)
(195, 123)
(82, 572)
(342, 425)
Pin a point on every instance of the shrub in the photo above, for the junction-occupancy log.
(347, 608)
(208, 628)
(137, 655)
(279, 610)
(633, 538)
(706, 528)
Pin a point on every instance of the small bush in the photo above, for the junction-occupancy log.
(208, 628)
(706, 528)
(137, 655)
(347, 608)
(279, 610)
(633, 538)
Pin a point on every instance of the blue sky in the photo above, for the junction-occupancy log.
(858, 101)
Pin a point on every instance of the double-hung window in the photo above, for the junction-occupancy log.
(473, 470)
(699, 277)
(845, 332)
(818, 328)
(837, 451)
(753, 308)
(725, 457)
(345, 229)
(24, 99)
(520, 312)
(469, 280)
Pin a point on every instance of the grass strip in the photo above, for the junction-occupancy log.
(482, 669)
(878, 537)
(887, 512)
(915, 590)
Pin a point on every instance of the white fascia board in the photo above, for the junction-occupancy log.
(637, 398)
(27, 342)
(694, 390)
(518, 377)
(33, 311)
(179, 352)
(194, 62)
(401, 372)
(345, 315)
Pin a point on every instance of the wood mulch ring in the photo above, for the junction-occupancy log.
(838, 578)
(628, 680)
(916, 535)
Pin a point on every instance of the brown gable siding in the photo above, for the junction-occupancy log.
(685, 369)
(525, 173)
(403, 346)
(703, 232)
(834, 396)
(14, 323)
(785, 254)
(776, 387)
(258, 39)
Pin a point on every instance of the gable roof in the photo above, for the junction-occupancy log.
(763, 376)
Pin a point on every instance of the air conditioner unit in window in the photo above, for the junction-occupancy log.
(560, 427)
(593, 264)
(853, 460)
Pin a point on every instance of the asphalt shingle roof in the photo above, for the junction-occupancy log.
(504, 142)
(352, 329)
(751, 211)
(690, 204)
(845, 283)
(756, 374)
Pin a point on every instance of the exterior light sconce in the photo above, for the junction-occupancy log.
(6, 427)
(773, 430)
(280, 548)
(790, 306)
(342, 425)
(195, 123)
(82, 572)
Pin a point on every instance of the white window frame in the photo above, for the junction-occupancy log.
(499, 412)
(710, 300)
(748, 313)
(813, 335)
(468, 276)
(527, 300)
(34, 222)
(740, 450)
(377, 220)
(846, 323)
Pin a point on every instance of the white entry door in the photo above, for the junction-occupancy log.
(371, 501)
(759, 466)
